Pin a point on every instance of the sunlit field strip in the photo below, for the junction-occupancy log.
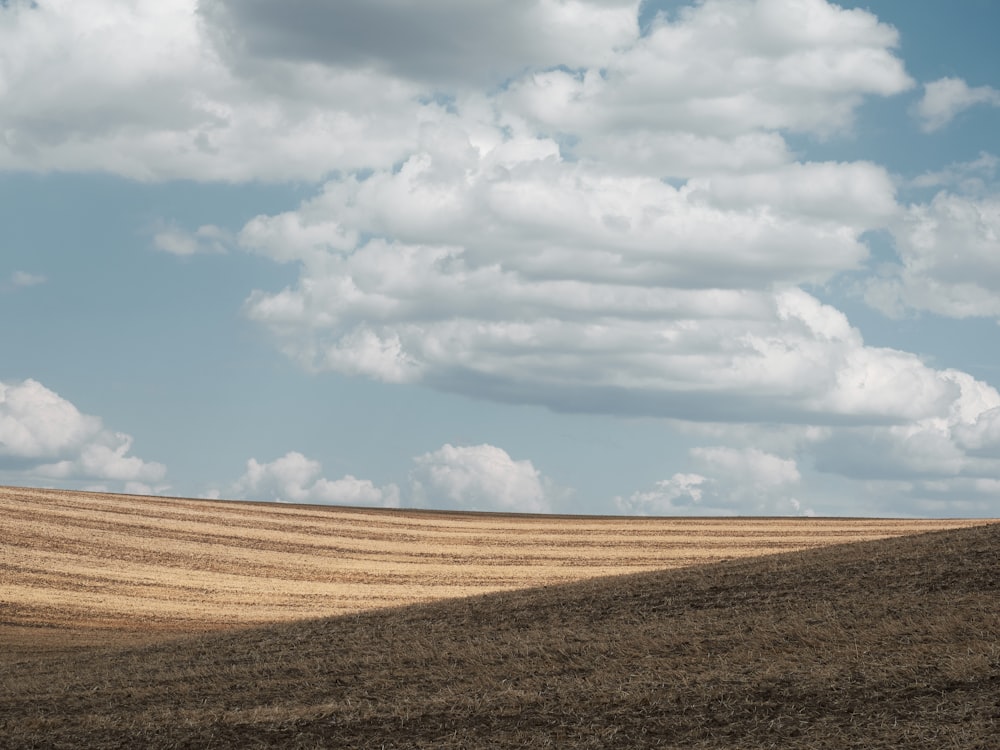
(134, 543)
(106, 561)
(474, 533)
(280, 516)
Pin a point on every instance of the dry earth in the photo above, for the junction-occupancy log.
(78, 569)
(869, 646)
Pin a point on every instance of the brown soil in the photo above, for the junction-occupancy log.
(85, 568)
(890, 643)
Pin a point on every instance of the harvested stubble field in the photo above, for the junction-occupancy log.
(889, 643)
(88, 567)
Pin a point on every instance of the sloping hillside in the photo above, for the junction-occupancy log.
(82, 568)
(892, 643)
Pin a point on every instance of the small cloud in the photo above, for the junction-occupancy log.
(682, 493)
(23, 279)
(750, 467)
(735, 482)
(295, 478)
(976, 177)
(947, 97)
(797, 507)
(480, 477)
(207, 238)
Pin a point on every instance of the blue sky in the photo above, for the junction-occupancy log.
(726, 257)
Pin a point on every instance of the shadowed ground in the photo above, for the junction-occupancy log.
(891, 643)
(83, 568)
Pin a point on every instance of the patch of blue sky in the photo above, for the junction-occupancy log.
(158, 345)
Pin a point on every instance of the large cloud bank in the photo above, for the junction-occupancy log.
(540, 202)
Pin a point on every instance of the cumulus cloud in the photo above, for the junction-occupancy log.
(37, 423)
(722, 72)
(23, 279)
(941, 464)
(681, 494)
(754, 468)
(493, 262)
(533, 202)
(518, 203)
(947, 97)
(962, 442)
(140, 90)
(107, 459)
(584, 296)
(949, 259)
(480, 477)
(974, 177)
(207, 238)
(294, 478)
(730, 481)
(44, 435)
(904, 468)
(227, 90)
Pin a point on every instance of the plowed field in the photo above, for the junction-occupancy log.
(78, 568)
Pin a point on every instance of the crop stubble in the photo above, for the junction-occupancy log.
(878, 645)
(78, 568)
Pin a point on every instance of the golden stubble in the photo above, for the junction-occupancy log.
(88, 562)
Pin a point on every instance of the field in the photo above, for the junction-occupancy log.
(157, 622)
(87, 567)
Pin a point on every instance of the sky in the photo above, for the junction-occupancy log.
(724, 257)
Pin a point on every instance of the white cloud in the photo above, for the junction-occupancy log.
(587, 294)
(858, 194)
(139, 89)
(488, 262)
(166, 89)
(938, 465)
(480, 477)
(721, 69)
(949, 251)
(37, 423)
(974, 177)
(43, 434)
(752, 467)
(207, 238)
(296, 479)
(904, 468)
(23, 279)
(945, 465)
(496, 220)
(517, 202)
(730, 481)
(947, 97)
(681, 494)
(106, 457)
(962, 442)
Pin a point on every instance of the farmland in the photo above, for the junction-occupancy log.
(162, 623)
(87, 567)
